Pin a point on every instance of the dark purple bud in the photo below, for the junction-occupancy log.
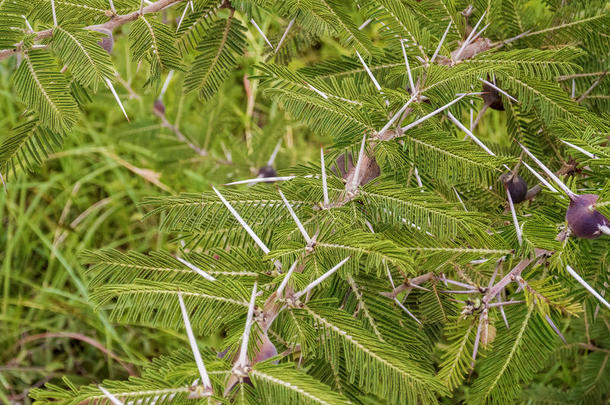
(267, 171)
(107, 42)
(492, 97)
(516, 186)
(159, 106)
(583, 219)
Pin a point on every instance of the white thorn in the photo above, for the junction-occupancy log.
(364, 24)
(166, 83)
(604, 229)
(182, 17)
(205, 379)
(479, 33)
(587, 286)
(418, 179)
(581, 150)
(375, 82)
(27, 23)
(3, 183)
(438, 48)
(192, 6)
(540, 178)
(280, 290)
(54, 14)
(404, 54)
(555, 328)
(110, 396)
(320, 279)
(573, 88)
(433, 113)
(387, 269)
(295, 218)
(274, 153)
(243, 223)
(476, 341)
(321, 93)
(470, 134)
(407, 311)
(142, 7)
(243, 354)
(261, 32)
(116, 96)
(324, 185)
(514, 215)
(195, 269)
(112, 6)
(277, 48)
(395, 116)
(499, 89)
(467, 41)
(263, 180)
(549, 173)
(356, 178)
(460, 199)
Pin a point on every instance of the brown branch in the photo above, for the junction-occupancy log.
(115, 21)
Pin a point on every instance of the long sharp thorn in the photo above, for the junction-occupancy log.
(490, 84)
(433, 113)
(262, 180)
(141, 6)
(116, 96)
(438, 48)
(587, 286)
(573, 88)
(243, 223)
(406, 310)
(295, 218)
(395, 117)
(356, 179)
(468, 39)
(404, 54)
(390, 276)
(320, 279)
(280, 290)
(110, 396)
(476, 341)
(514, 215)
(277, 48)
(205, 379)
(555, 328)
(321, 93)
(368, 71)
(549, 173)
(54, 14)
(604, 229)
(166, 83)
(460, 199)
(364, 24)
(112, 6)
(243, 353)
(324, 185)
(182, 17)
(274, 153)
(261, 32)
(478, 34)
(540, 178)
(470, 134)
(418, 179)
(195, 269)
(581, 150)
(502, 311)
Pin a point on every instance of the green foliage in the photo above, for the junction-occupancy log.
(410, 281)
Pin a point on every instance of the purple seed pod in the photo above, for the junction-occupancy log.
(516, 186)
(368, 173)
(107, 42)
(267, 171)
(266, 351)
(159, 106)
(583, 219)
(492, 97)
